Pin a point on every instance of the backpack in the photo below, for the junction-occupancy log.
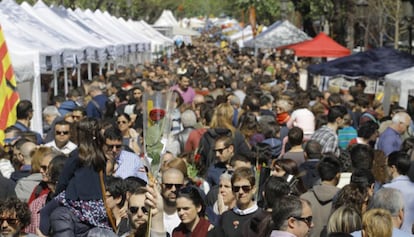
(205, 150)
(101, 111)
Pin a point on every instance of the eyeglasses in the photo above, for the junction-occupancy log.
(220, 150)
(116, 146)
(177, 186)
(123, 122)
(245, 188)
(11, 221)
(61, 132)
(43, 167)
(307, 220)
(134, 210)
(9, 141)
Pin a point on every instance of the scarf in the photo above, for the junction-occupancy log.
(283, 117)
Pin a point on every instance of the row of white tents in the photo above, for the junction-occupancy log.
(62, 37)
(43, 39)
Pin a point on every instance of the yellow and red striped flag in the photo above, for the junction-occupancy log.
(9, 98)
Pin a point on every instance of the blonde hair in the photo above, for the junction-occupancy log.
(345, 219)
(285, 105)
(37, 155)
(377, 223)
(222, 117)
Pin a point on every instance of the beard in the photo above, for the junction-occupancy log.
(170, 203)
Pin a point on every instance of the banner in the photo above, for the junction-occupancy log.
(9, 98)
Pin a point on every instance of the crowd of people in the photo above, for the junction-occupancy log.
(248, 152)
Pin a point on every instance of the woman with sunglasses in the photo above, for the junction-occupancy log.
(191, 211)
(51, 166)
(233, 222)
(130, 137)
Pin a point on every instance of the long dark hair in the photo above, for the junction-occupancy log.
(90, 143)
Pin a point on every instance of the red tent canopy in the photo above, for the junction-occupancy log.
(320, 46)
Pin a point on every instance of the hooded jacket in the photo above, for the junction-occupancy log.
(320, 197)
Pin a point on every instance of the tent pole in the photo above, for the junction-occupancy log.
(79, 76)
(36, 95)
(100, 69)
(66, 80)
(55, 83)
(89, 71)
(386, 99)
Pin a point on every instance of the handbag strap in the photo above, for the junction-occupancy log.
(108, 210)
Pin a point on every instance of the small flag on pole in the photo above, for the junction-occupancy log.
(9, 98)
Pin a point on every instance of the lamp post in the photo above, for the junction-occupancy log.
(361, 7)
(409, 17)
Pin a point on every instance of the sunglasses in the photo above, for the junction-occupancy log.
(43, 167)
(177, 186)
(117, 146)
(9, 141)
(62, 132)
(220, 150)
(134, 210)
(245, 188)
(123, 122)
(307, 220)
(10, 221)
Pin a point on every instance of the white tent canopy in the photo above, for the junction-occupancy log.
(54, 48)
(167, 19)
(44, 39)
(398, 83)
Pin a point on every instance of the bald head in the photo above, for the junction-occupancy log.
(172, 181)
(26, 150)
(173, 173)
(198, 99)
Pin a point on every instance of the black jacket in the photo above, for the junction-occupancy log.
(7, 188)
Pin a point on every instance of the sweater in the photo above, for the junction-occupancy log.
(200, 230)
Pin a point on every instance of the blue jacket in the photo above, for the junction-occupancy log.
(92, 111)
(80, 182)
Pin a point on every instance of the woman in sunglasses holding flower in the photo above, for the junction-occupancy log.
(191, 211)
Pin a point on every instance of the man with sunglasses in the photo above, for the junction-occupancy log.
(140, 202)
(292, 217)
(14, 217)
(62, 141)
(172, 181)
(121, 163)
(224, 150)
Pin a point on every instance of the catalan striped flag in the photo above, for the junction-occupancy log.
(9, 98)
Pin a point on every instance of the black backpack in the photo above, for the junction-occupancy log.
(205, 152)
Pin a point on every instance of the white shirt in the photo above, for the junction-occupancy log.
(66, 149)
(6, 168)
(170, 222)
